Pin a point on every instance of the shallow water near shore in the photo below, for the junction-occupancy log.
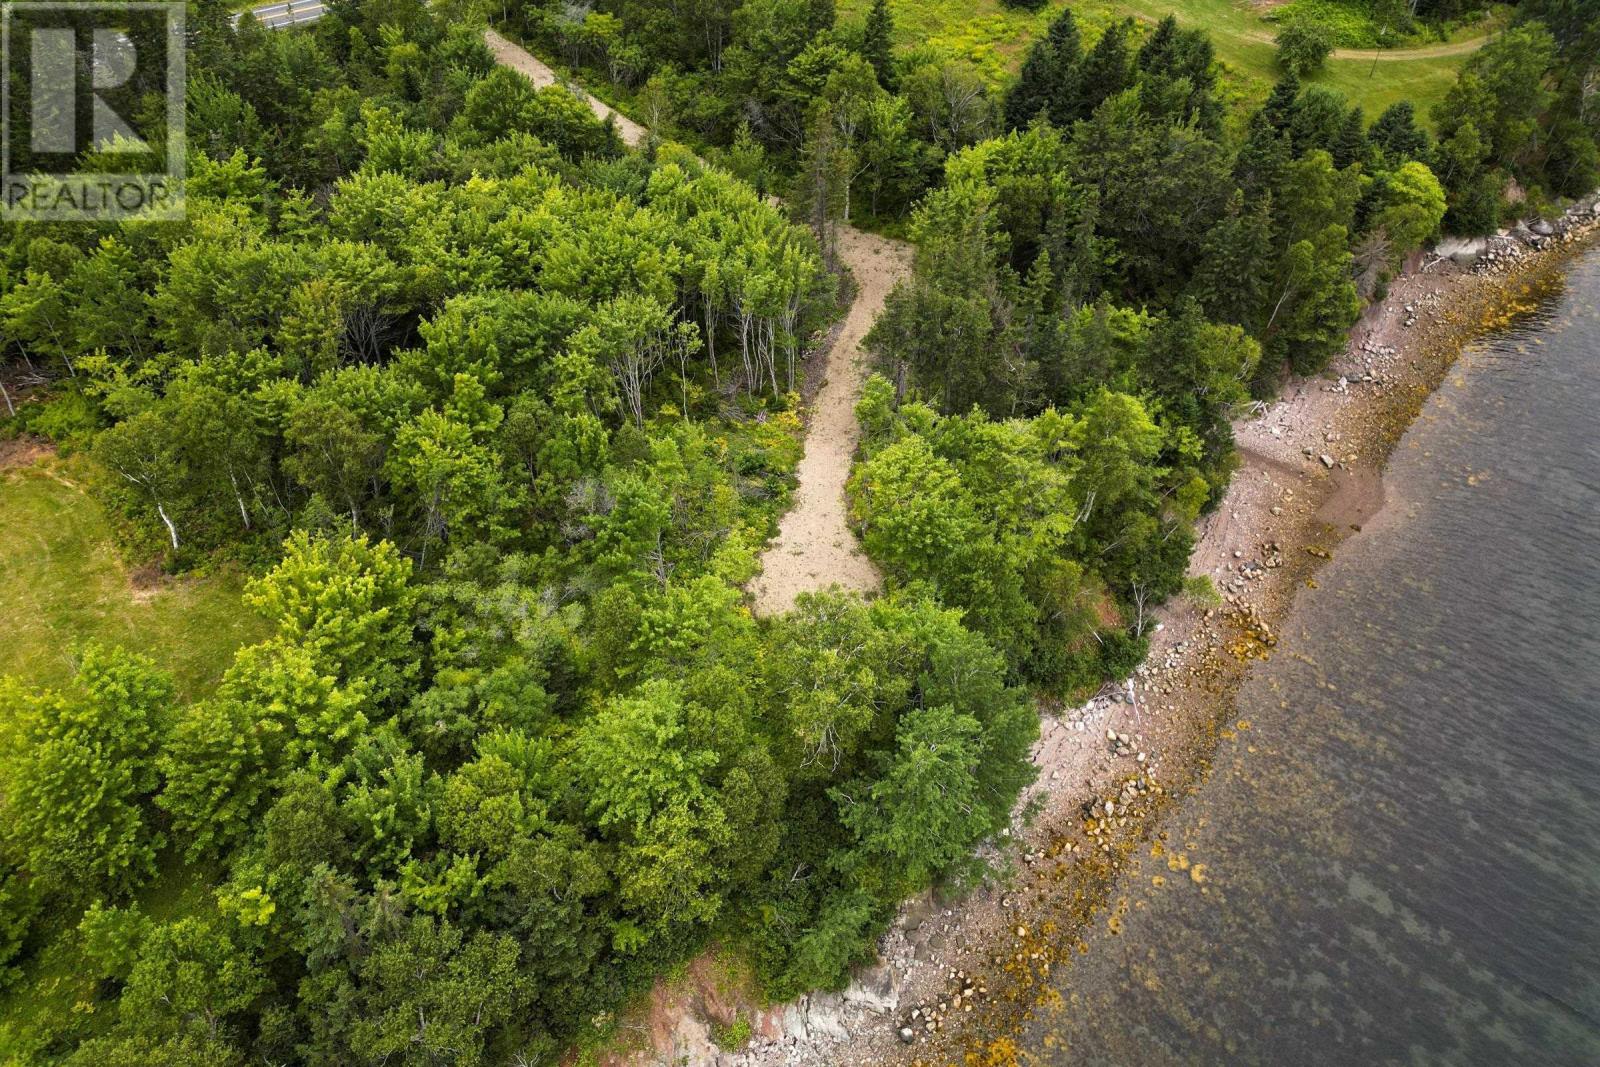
(1396, 856)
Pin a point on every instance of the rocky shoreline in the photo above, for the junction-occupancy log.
(955, 978)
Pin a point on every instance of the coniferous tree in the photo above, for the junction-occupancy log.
(877, 43)
(1106, 70)
(1262, 157)
(1049, 75)
(1173, 59)
(1351, 144)
(1280, 107)
(1396, 135)
(821, 185)
(1319, 116)
(1503, 90)
(1160, 49)
(1231, 280)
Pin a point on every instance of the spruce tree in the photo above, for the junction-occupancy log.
(1351, 144)
(1049, 73)
(1106, 71)
(877, 43)
(1232, 278)
(1396, 135)
(1159, 53)
(1280, 106)
(1171, 54)
(1262, 156)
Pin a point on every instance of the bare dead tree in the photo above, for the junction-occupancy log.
(1141, 597)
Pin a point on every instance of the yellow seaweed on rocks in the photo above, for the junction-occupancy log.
(1001, 1052)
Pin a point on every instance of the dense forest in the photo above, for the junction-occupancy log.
(499, 414)
(785, 92)
(1099, 289)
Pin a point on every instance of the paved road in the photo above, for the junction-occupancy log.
(286, 13)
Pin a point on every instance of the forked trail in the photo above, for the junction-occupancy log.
(815, 547)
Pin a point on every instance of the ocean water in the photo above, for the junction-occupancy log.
(1397, 859)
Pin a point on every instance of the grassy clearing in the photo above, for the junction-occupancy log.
(995, 38)
(56, 999)
(56, 993)
(62, 581)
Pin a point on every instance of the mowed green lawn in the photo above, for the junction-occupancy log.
(996, 37)
(62, 582)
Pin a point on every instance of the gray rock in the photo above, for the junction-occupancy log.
(1464, 251)
(876, 988)
(916, 912)
(793, 1021)
(825, 1017)
(1543, 228)
(814, 1017)
(692, 1042)
(1327, 460)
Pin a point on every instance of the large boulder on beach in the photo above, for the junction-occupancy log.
(1463, 250)
(917, 911)
(875, 988)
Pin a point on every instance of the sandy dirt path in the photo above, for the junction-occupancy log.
(1394, 55)
(815, 547)
(535, 70)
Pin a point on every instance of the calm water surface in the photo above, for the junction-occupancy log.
(1401, 853)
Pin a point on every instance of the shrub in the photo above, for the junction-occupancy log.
(734, 1036)
(68, 419)
(1346, 23)
(1303, 47)
(1199, 591)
